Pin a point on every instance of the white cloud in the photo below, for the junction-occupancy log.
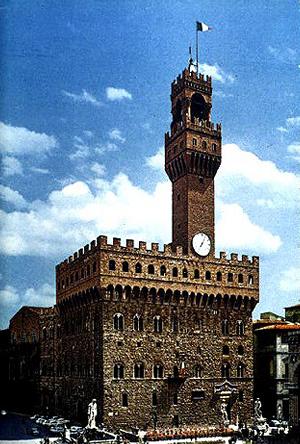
(98, 169)
(294, 149)
(84, 148)
(117, 93)
(290, 280)
(267, 181)
(216, 73)
(83, 97)
(21, 141)
(115, 134)
(106, 147)
(88, 133)
(13, 197)
(39, 170)
(42, 296)
(293, 121)
(157, 161)
(11, 166)
(222, 94)
(235, 230)
(9, 296)
(285, 55)
(282, 129)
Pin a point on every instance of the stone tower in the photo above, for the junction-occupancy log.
(192, 158)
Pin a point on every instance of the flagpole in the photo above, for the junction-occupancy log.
(197, 48)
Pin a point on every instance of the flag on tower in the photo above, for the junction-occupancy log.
(203, 27)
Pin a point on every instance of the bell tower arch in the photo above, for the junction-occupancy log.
(192, 158)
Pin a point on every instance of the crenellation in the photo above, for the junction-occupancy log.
(223, 254)
(245, 258)
(101, 241)
(86, 248)
(142, 245)
(70, 259)
(80, 252)
(129, 243)
(116, 242)
(92, 244)
(154, 247)
(234, 257)
(75, 255)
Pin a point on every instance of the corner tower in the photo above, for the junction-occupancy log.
(192, 158)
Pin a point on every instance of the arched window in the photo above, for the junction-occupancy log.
(230, 277)
(240, 278)
(138, 268)
(94, 267)
(158, 371)
(157, 324)
(118, 371)
(184, 273)
(118, 322)
(112, 265)
(150, 269)
(204, 145)
(162, 270)
(240, 328)
(225, 371)
(175, 272)
(174, 323)
(199, 108)
(196, 274)
(219, 276)
(82, 273)
(194, 141)
(225, 327)
(124, 400)
(76, 276)
(125, 266)
(240, 350)
(139, 371)
(154, 399)
(208, 275)
(198, 371)
(214, 147)
(225, 350)
(240, 370)
(138, 323)
(250, 280)
(88, 270)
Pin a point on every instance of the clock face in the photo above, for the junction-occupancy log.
(201, 244)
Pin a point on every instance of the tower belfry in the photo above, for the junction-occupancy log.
(192, 158)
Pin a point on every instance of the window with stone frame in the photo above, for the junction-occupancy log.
(150, 269)
(240, 350)
(112, 265)
(240, 371)
(154, 399)
(118, 322)
(185, 273)
(240, 278)
(198, 371)
(138, 268)
(196, 274)
(250, 280)
(225, 370)
(225, 350)
(157, 324)
(124, 399)
(240, 328)
(139, 370)
(119, 371)
(158, 371)
(208, 275)
(125, 266)
(163, 270)
(175, 272)
(138, 324)
(229, 277)
(174, 323)
(225, 327)
(219, 276)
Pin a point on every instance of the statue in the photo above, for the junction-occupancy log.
(92, 414)
(257, 409)
(224, 413)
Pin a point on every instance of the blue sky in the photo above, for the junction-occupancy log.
(85, 87)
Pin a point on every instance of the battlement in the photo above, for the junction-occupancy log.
(208, 128)
(193, 80)
(168, 251)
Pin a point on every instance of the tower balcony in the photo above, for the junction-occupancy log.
(203, 126)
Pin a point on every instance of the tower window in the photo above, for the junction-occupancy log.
(208, 275)
(225, 327)
(175, 272)
(225, 371)
(158, 371)
(124, 400)
(139, 371)
(162, 270)
(204, 145)
(199, 108)
(240, 370)
(250, 280)
(240, 350)
(88, 270)
(214, 147)
(175, 399)
(72, 278)
(118, 322)
(241, 395)
(125, 266)
(174, 323)
(225, 350)
(76, 276)
(196, 274)
(154, 399)
(198, 394)
(178, 197)
(157, 324)
(112, 265)
(150, 269)
(230, 277)
(82, 273)
(184, 273)
(94, 267)
(138, 323)
(240, 278)
(240, 328)
(118, 371)
(194, 142)
(219, 276)
(198, 371)
(138, 268)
